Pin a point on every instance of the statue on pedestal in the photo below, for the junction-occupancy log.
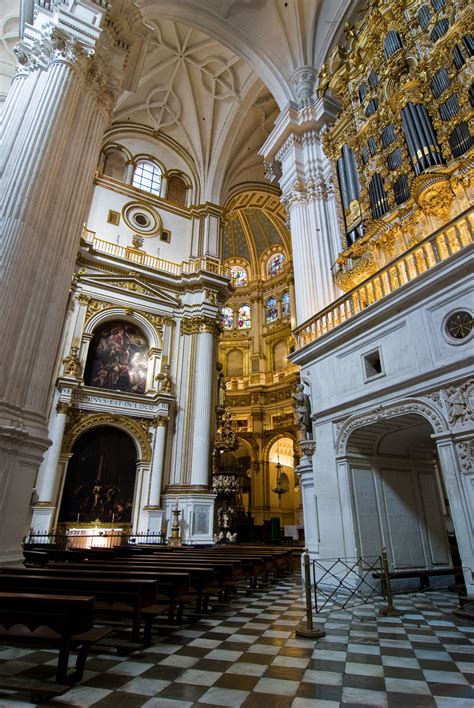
(303, 411)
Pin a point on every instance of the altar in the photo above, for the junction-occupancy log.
(94, 537)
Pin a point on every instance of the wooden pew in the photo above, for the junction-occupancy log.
(113, 594)
(50, 621)
(176, 584)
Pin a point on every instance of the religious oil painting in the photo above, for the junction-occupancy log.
(118, 358)
(100, 478)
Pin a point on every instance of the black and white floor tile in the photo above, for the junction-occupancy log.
(247, 655)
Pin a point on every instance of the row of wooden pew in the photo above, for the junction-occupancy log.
(59, 593)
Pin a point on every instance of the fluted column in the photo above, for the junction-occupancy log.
(71, 72)
(156, 478)
(308, 195)
(203, 385)
(47, 483)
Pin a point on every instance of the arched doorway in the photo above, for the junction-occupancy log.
(285, 494)
(100, 479)
(398, 495)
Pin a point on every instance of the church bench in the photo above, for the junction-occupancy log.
(134, 593)
(423, 575)
(50, 621)
(179, 585)
(208, 578)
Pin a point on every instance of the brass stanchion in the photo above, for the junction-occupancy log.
(390, 610)
(175, 538)
(307, 629)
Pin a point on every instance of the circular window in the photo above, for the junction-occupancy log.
(458, 326)
(142, 219)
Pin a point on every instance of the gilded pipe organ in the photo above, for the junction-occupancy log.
(402, 145)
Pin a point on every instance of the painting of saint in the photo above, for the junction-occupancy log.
(117, 358)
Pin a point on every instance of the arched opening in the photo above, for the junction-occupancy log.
(100, 479)
(285, 496)
(398, 494)
(279, 355)
(177, 189)
(117, 358)
(114, 164)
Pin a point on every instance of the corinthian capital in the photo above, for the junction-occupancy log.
(104, 43)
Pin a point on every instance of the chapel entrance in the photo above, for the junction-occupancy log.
(100, 479)
(398, 494)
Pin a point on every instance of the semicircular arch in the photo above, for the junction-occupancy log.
(135, 427)
(408, 406)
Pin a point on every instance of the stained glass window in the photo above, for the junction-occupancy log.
(147, 176)
(239, 276)
(285, 304)
(227, 317)
(243, 317)
(271, 310)
(275, 264)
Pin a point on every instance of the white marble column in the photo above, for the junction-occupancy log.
(457, 467)
(310, 514)
(308, 195)
(204, 377)
(48, 475)
(153, 509)
(55, 115)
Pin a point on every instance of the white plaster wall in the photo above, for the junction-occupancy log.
(409, 335)
(103, 199)
(417, 359)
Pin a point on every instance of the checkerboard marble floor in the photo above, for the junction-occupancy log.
(247, 655)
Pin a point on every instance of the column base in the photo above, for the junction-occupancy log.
(23, 442)
(197, 516)
(154, 516)
(42, 519)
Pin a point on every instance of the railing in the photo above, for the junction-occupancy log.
(93, 539)
(434, 249)
(135, 255)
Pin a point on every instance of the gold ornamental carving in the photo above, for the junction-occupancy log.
(80, 421)
(72, 363)
(95, 306)
(434, 195)
(201, 323)
(363, 268)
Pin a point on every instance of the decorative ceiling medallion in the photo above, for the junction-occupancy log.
(142, 219)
